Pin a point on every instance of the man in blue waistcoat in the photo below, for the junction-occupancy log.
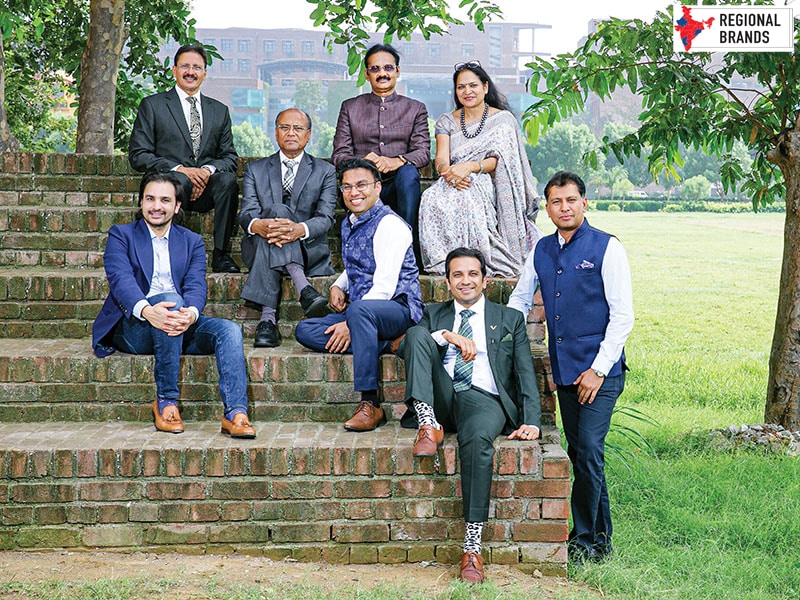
(586, 289)
(381, 281)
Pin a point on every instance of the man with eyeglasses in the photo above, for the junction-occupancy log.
(180, 130)
(388, 129)
(377, 297)
(288, 201)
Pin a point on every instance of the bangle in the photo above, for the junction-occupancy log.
(437, 165)
(480, 166)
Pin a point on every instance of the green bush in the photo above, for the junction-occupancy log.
(612, 207)
(634, 206)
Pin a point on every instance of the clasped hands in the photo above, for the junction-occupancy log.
(385, 164)
(278, 231)
(457, 176)
(171, 322)
(199, 178)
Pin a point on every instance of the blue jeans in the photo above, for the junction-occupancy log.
(207, 335)
(585, 427)
(373, 325)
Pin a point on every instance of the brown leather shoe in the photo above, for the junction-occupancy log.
(366, 418)
(170, 420)
(471, 567)
(428, 440)
(240, 427)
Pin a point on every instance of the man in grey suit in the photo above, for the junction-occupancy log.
(469, 369)
(288, 201)
(176, 132)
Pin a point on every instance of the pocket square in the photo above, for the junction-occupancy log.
(507, 338)
(585, 265)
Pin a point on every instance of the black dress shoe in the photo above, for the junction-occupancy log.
(314, 304)
(222, 263)
(267, 335)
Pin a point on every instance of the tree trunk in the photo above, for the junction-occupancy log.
(783, 387)
(8, 143)
(99, 68)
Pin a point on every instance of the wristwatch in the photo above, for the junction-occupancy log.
(599, 374)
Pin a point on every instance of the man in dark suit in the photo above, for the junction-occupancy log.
(469, 369)
(156, 273)
(176, 132)
(288, 201)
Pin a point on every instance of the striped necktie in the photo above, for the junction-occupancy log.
(462, 370)
(288, 176)
(195, 131)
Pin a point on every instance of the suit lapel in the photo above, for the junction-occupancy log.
(176, 110)
(493, 320)
(303, 173)
(208, 121)
(274, 177)
(143, 246)
(177, 256)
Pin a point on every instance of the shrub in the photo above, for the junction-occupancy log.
(611, 207)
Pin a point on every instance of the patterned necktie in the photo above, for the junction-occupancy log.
(288, 176)
(462, 371)
(195, 132)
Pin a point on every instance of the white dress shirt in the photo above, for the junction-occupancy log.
(482, 376)
(618, 290)
(282, 157)
(187, 112)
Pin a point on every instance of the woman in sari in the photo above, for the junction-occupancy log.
(485, 197)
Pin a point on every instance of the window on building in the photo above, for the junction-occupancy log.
(226, 66)
(434, 49)
(308, 47)
(226, 45)
(467, 50)
(288, 82)
(249, 98)
(210, 41)
(408, 49)
(243, 65)
(244, 45)
(288, 47)
(269, 46)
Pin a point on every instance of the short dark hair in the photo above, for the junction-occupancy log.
(308, 117)
(382, 48)
(494, 97)
(191, 48)
(563, 178)
(464, 252)
(357, 163)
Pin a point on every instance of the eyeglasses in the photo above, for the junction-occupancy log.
(193, 68)
(377, 68)
(361, 186)
(473, 64)
(295, 128)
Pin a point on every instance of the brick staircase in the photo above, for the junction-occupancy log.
(82, 467)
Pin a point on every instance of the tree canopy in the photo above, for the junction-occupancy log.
(698, 101)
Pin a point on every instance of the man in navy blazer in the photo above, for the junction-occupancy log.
(469, 369)
(174, 131)
(156, 273)
(288, 201)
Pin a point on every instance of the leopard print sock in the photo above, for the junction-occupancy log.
(425, 414)
(472, 537)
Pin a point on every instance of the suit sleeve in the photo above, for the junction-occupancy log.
(323, 218)
(122, 282)
(225, 156)
(528, 401)
(419, 146)
(250, 207)
(194, 288)
(142, 146)
(343, 138)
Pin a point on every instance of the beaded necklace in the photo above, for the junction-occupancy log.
(480, 125)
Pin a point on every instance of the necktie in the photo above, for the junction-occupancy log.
(288, 176)
(462, 371)
(195, 132)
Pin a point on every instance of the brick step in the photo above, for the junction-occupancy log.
(48, 302)
(304, 491)
(62, 380)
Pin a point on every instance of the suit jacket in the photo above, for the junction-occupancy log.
(128, 262)
(313, 202)
(509, 353)
(160, 138)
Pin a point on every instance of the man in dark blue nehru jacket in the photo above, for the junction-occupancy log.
(588, 302)
(381, 280)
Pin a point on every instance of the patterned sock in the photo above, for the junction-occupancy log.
(425, 415)
(298, 276)
(472, 537)
(268, 314)
(371, 396)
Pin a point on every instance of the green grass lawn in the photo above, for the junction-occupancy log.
(695, 523)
